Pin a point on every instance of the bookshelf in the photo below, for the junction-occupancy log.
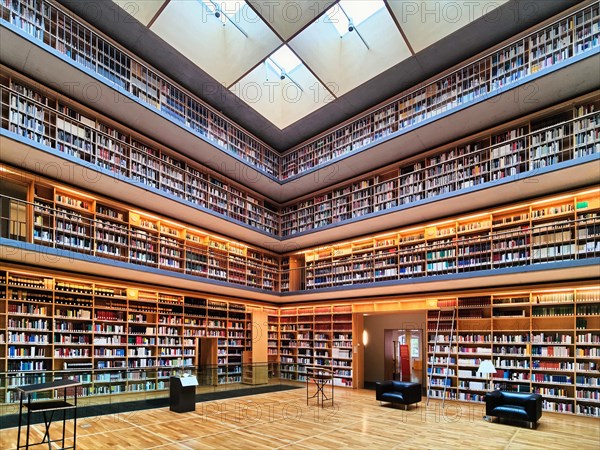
(78, 222)
(540, 141)
(39, 116)
(521, 150)
(545, 230)
(567, 37)
(316, 336)
(113, 338)
(116, 338)
(549, 229)
(556, 43)
(538, 341)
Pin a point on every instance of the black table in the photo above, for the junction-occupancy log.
(319, 378)
(48, 408)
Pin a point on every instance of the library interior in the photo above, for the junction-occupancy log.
(299, 224)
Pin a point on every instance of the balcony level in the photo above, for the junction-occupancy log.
(15, 252)
(567, 78)
(555, 149)
(555, 237)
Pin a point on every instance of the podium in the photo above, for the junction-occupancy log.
(182, 394)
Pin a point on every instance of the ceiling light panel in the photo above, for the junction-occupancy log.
(219, 49)
(285, 58)
(143, 11)
(357, 10)
(425, 22)
(344, 63)
(282, 100)
(288, 17)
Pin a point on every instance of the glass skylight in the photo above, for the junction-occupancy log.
(357, 10)
(285, 59)
(229, 7)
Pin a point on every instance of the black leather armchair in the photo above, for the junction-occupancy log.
(398, 392)
(514, 406)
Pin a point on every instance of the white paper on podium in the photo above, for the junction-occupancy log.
(189, 381)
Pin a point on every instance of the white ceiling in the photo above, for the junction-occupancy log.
(331, 65)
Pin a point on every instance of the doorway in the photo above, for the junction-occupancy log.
(404, 355)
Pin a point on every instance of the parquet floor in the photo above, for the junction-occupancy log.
(283, 420)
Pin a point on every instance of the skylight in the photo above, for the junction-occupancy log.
(229, 7)
(357, 10)
(284, 59)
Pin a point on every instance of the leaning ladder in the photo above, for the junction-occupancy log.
(432, 362)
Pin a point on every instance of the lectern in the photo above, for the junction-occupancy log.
(182, 392)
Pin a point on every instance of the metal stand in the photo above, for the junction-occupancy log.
(319, 377)
(48, 408)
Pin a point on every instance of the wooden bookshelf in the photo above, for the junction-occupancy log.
(118, 338)
(549, 229)
(316, 336)
(73, 326)
(77, 222)
(538, 341)
(542, 140)
(37, 115)
(545, 230)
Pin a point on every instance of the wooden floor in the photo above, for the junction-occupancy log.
(356, 421)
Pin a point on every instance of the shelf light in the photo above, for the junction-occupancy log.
(72, 191)
(553, 199)
(171, 223)
(474, 216)
(553, 290)
(5, 170)
(150, 216)
(385, 235)
(510, 208)
(510, 293)
(28, 274)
